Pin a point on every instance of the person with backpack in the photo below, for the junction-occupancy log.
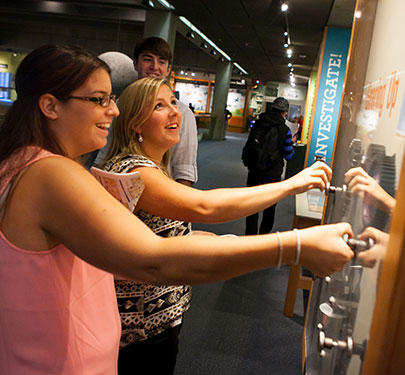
(268, 144)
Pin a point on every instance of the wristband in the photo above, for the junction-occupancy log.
(280, 251)
(298, 252)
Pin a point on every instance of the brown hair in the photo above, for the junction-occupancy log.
(50, 69)
(155, 45)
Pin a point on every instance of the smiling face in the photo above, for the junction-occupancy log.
(161, 130)
(81, 125)
(150, 65)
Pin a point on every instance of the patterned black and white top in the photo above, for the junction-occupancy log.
(147, 310)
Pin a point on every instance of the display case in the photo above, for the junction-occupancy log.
(341, 311)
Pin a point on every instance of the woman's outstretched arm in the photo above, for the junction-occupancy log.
(164, 197)
(57, 200)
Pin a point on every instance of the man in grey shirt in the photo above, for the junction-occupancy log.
(153, 58)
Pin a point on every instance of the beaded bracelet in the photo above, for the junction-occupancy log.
(298, 252)
(280, 251)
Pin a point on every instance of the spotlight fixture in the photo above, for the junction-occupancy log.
(213, 52)
(284, 7)
(220, 58)
(148, 3)
(285, 44)
(192, 74)
(190, 35)
(289, 65)
(204, 45)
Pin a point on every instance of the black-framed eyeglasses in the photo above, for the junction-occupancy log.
(104, 101)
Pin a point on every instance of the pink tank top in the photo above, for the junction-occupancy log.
(58, 314)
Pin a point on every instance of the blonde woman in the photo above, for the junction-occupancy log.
(148, 126)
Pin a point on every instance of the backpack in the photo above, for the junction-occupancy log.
(261, 153)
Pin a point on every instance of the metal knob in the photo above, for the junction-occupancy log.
(330, 189)
(329, 343)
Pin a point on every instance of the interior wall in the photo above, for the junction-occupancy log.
(24, 33)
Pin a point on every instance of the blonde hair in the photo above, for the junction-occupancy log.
(136, 104)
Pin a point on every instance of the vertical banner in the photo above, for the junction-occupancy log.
(330, 87)
(309, 107)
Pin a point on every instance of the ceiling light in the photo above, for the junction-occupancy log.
(292, 84)
(285, 45)
(284, 7)
(220, 58)
(181, 72)
(240, 68)
(192, 74)
(190, 35)
(291, 69)
(289, 65)
(289, 51)
(285, 33)
(148, 3)
(213, 52)
(204, 45)
(357, 14)
(166, 4)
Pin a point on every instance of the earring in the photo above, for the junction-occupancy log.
(140, 138)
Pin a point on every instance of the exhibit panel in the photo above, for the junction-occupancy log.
(370, 139)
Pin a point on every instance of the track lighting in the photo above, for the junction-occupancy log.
(204, 45)
(190, 35)
(213, 52)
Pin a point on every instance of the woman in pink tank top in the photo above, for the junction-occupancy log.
(62, 234)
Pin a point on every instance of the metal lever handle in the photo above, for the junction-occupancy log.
(359, 245)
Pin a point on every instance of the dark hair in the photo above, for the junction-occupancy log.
(50, 69)
(155, 45)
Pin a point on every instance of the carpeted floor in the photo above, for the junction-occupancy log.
(237, 327)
